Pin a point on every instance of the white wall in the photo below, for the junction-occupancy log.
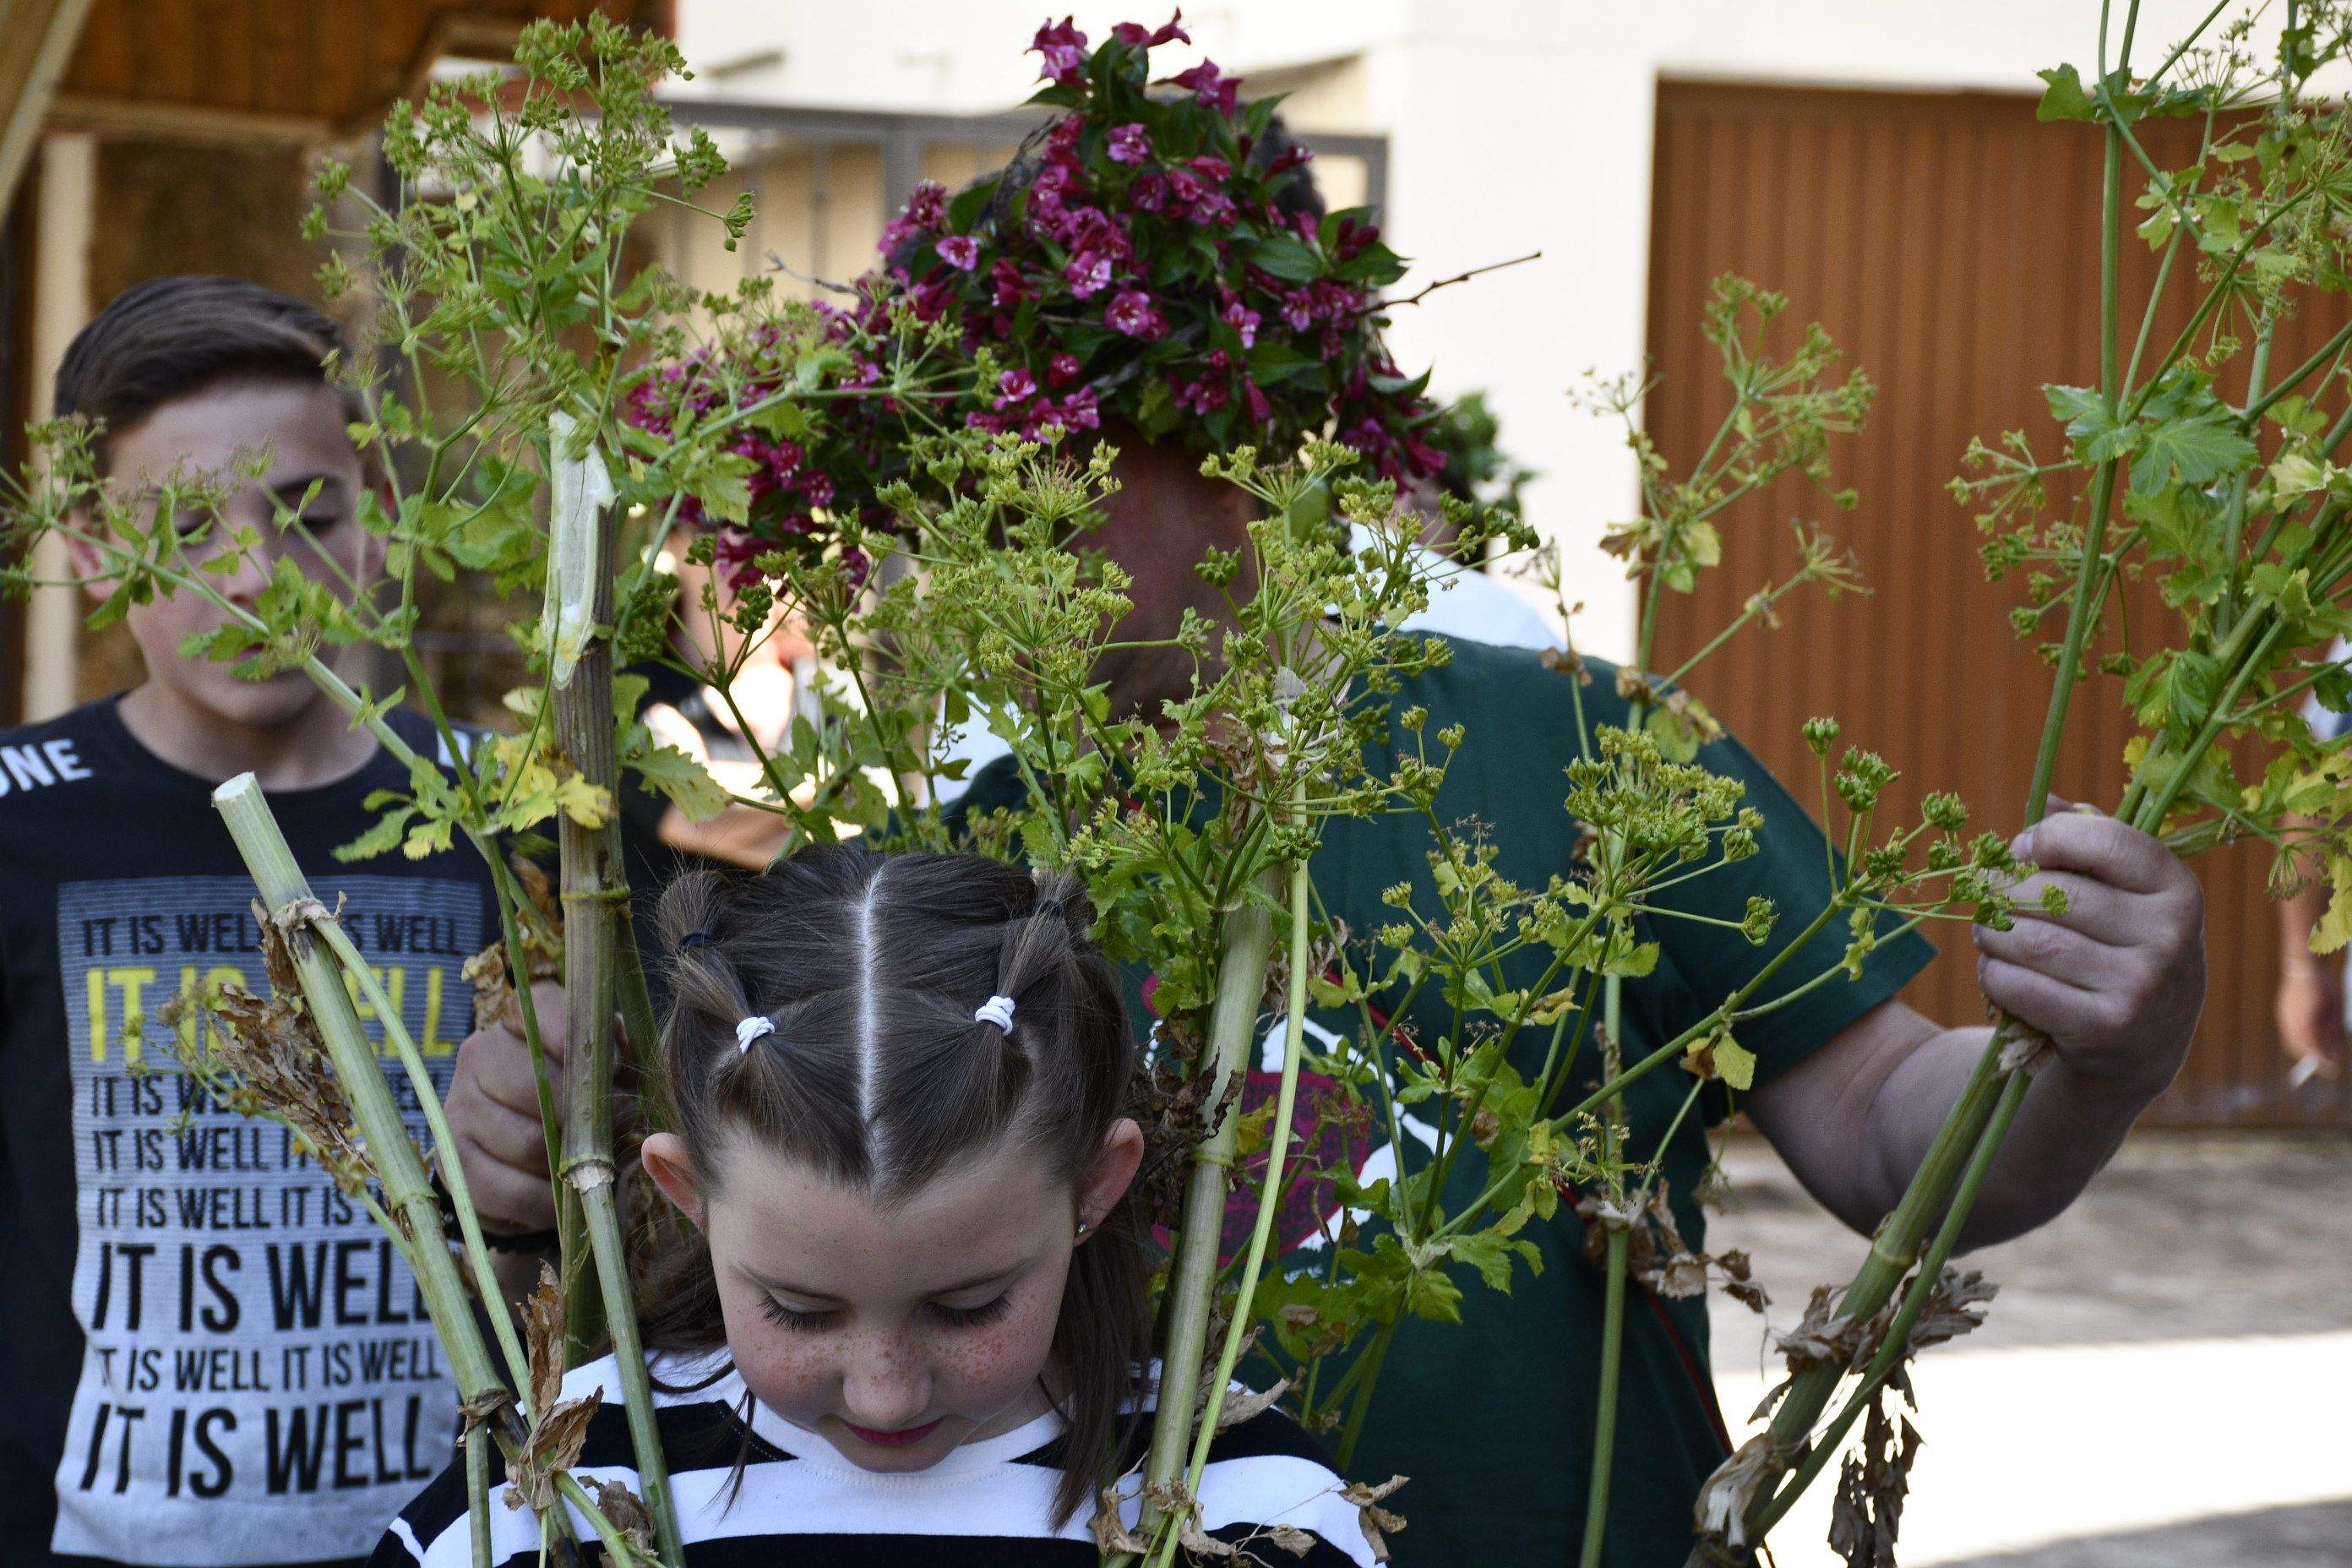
(1514, 125)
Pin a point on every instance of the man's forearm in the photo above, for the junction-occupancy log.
(2068, 1128)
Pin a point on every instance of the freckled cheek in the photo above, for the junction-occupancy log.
(788, 1371)
(979, 1371)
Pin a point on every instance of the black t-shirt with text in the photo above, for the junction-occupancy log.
(210, 1356)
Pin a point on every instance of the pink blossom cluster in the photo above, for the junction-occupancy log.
(1141, 264)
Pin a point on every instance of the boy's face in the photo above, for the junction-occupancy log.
(210, 431)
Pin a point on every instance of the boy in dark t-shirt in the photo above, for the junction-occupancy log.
(211, 1357)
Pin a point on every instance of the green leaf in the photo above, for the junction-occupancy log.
(2066, 97)
(1288, 257)
(687, 782)
(381, 838)
(2295, 474)
(1676, 736)
(2195, 450)
(2096, 433)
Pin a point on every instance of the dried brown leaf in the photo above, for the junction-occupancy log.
(1867, 1513)
(1248, 1405)
(1110, 1531)
(1379, 1523)
(626, 1512)
(544, 1335)
(1721, 1513)
(1290, 1538)
(1738, 1282)
(266, 1059)
(1199, 1542)
(556, 1435)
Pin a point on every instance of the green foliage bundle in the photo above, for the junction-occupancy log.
(580, 415)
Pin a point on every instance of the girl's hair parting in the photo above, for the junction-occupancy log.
(877, 1075)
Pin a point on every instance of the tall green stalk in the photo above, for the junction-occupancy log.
(1293, 1040)
(1613, 1305)
(593, 888)
(408, 1192)
(399, 1169)
(1967, 1139)
(1249, 941)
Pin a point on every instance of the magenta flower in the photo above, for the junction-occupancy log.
(1131, 313)
(960, 251)
(1080, 412)
(1261, 412)
(1130, 144)
(1210, 86)
(1299, 309)
(1149, 193)
(816, 488)
(1062, 369)
(1014, 385)
(1010, 287)
(1213, 169)
(1242, 319)
(1171, 33)
(1088, 273)
(1063, 50)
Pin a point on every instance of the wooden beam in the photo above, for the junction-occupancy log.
(36, 40)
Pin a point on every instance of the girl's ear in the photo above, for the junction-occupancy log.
(1106, 1179)
(665, 1159)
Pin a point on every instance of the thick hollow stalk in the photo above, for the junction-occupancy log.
(478, 1491)
(453, 1175)
(593, 886)
(399, 1169)
(1915, 1302)
(1270, 1199)
(1248, 941)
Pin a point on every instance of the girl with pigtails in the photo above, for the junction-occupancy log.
(907, 1321)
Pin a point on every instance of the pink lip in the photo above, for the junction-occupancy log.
(899, 1439)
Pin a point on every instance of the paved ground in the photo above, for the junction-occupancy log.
(2162, 1383)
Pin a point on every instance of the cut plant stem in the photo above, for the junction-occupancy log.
(1915, 1302)
(453, 1175)
(478, 1490)
(1270, 1198)
(593, 887)
(1894, 1249)
(1248, 941)
(400, 1170)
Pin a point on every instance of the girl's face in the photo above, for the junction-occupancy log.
(895, 1335)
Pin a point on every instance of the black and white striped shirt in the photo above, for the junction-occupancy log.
(986, 1505)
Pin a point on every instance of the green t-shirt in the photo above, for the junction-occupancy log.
(1493, 1418)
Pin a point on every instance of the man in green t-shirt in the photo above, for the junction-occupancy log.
(1493, 1418)
(1158, 258)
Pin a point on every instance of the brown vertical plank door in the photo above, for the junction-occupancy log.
(1950, 244)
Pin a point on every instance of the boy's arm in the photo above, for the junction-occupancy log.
(493, 1110)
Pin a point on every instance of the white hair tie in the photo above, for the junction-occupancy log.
(750, 1029)
(996, 1010)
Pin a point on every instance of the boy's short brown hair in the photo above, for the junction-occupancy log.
(171, 336)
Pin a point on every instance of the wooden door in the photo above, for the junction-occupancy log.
(1950, 244)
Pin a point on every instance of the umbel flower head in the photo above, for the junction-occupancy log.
(1155, 256)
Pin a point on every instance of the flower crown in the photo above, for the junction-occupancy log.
(1158, 258)
(1155, 258)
